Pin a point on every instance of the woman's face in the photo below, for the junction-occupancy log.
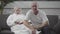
(18, 11)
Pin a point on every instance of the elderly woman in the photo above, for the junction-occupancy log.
(15, 21)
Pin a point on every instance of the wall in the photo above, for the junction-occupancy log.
(50, 7)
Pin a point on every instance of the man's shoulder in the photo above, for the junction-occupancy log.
(41, 11)
(29, 11)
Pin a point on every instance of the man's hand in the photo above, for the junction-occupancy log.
(37, 28)
(33, 32)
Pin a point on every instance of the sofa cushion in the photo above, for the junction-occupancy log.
(57, 28)
(6, 32)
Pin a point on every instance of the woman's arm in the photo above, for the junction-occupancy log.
(10, 21)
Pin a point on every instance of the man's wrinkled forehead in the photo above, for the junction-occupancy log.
(34, 4)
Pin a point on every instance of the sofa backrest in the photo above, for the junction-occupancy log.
(3, 23)
(53, 20)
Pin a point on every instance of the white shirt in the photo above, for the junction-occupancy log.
(14, 17)
(11, 22)
(17, 28)
(36, 19)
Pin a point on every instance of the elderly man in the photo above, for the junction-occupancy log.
(38, 19)
(15, 21)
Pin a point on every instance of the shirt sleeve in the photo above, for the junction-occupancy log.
(44, 17)
(10, 21)
(28, 16)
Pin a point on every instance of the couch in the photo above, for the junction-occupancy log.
(5, 29)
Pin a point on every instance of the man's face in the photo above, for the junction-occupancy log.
(18, 10)
(34, 7)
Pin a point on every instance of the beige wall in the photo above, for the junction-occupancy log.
(50, 7)
(41, 4)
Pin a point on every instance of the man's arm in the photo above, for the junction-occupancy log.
(39, 26)
(27, 18)
(45, 21)
(42, 25)
(26, 23)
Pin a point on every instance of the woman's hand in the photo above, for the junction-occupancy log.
(18, 22)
